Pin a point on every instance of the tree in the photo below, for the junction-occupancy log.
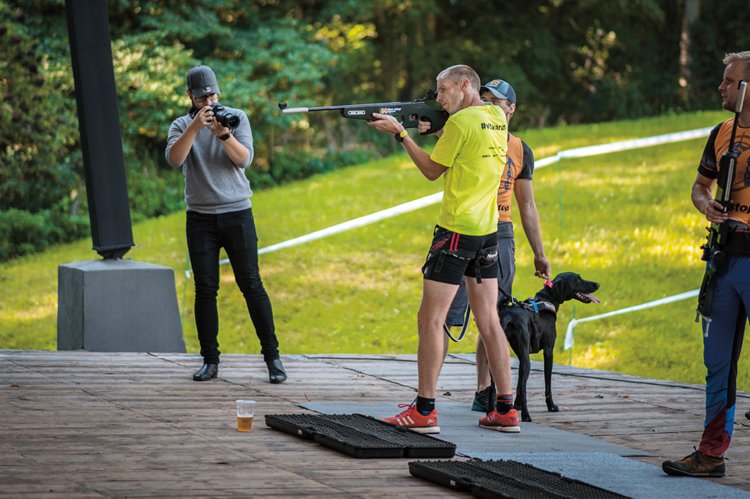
(569, 61)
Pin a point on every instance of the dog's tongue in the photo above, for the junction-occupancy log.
(593, 298)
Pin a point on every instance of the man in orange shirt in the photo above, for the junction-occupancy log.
(724, 325)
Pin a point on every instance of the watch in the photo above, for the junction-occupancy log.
(401, 135)
(224, 137)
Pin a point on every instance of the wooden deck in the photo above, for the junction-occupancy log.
(80, 424)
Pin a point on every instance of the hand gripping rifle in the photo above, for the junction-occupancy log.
(713, 249)
(409, 113)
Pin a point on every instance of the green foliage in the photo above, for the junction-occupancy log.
(32, 136)
(296, 166)
(151, 194)
(721, 28)
(39, 172)
(584, 61)
(23, 232)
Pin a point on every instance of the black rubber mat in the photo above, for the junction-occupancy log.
(360, 436)
(505, 479)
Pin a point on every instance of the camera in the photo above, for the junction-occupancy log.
(225, 117)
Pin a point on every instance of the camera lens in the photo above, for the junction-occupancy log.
(224, 117)
(229, 120)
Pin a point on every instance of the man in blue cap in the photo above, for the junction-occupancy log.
(516, 181)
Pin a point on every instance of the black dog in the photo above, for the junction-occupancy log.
(530, 326)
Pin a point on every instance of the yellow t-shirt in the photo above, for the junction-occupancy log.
(473, 146)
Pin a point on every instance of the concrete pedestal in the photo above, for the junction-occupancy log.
(117, 306)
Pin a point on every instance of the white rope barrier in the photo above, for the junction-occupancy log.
(568, 344)
(578, 152)
(352, 224)
(624, 145)
(357, 222)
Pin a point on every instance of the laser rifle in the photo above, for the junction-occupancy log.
(409, 113)
(713, 249)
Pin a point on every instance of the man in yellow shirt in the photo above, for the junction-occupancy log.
(470, 156)
(516, 180)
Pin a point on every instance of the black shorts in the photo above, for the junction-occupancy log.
(453, 255)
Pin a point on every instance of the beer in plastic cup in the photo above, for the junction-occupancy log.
(245, 411)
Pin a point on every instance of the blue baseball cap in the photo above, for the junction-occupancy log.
(500, 89)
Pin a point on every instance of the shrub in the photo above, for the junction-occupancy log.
(22, 232)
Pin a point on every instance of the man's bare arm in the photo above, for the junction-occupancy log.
(524, 193)
(704, 201)
(388, 124)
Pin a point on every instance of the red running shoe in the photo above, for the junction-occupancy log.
(507, 422)
(413, 420)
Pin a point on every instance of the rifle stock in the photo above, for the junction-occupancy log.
(409, 113)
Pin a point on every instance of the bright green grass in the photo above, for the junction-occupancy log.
(622, 219)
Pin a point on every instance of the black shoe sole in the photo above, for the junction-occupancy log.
(676, 472)
(203, 376)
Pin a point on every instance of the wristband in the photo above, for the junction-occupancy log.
(225, 136)
(401, 135)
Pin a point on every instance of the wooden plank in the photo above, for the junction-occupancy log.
(112, 424)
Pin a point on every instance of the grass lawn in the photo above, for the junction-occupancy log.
(623, 219)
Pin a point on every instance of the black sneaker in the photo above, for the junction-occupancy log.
(747, 414)
(484, 401)
(696, 464)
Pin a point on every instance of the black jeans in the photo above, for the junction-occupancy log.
(235, 232)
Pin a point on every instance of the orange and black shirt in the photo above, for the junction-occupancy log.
(519, 164)
(716, 146)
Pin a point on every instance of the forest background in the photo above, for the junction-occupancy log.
(570, 62)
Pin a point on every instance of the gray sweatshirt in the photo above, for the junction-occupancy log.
(213, 184)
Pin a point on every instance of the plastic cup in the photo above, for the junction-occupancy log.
(245, 412)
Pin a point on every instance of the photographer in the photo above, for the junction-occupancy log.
(213, 159)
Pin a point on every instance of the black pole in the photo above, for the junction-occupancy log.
(99, 125)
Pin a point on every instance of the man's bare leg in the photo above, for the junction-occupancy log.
(436, 300)
(504, 417)
(483, 299)
(483, 368)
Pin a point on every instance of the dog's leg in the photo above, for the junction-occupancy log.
(519, 342)
(524, 368)
(548, 357)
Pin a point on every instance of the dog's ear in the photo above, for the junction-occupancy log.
(565, 285)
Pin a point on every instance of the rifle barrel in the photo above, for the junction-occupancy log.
(741, 96)
(742, 87)
(294, 110)
(309, 109)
